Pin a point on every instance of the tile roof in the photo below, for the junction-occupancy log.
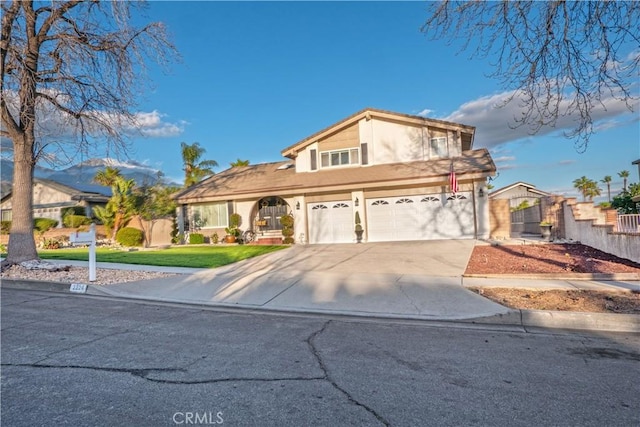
(271, 179)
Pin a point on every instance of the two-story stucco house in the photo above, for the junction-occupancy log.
(393, 169)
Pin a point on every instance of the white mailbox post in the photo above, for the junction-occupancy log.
(88, 238)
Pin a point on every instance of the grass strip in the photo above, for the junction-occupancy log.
(187, 256)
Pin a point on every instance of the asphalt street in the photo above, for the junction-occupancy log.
(85, 360)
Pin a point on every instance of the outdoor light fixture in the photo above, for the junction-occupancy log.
(297, 206)
(480, 192)
(357, 202)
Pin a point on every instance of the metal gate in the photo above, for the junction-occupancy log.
(525, 219)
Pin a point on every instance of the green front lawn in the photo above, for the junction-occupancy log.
(182, 256)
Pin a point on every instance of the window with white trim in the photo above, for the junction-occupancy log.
(439, 147)
(210, 215)
(340, 158)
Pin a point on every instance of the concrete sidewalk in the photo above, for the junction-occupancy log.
(409, 280)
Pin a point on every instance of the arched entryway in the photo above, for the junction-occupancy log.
(270, 210)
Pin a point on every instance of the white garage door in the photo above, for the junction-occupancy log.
(331, 222)
(420, 217)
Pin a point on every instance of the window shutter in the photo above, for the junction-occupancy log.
(314, 160)
(364, 153)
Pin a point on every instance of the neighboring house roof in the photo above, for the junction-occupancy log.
(80, 191)
(529, 187)
(275, 178)
(367, 113)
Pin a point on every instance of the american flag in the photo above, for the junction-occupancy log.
(453, 182)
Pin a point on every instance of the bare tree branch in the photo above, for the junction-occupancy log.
(82, 61)
(561, 59)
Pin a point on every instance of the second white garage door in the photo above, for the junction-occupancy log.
(331, 222)
(448, 216)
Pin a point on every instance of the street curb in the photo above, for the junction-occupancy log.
(566, 320)
(527, 319)
(35, 285)
(554, 276)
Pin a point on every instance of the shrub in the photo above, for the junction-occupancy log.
(286, 220)
(44, 224)
(75, 221)
(287, 228)
(215, 238)
(51, 244)
(196, 238)
(73, 210)
(129, 236)
(5, 227)
(235, 220)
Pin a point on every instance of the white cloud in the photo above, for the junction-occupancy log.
(494, 118)
(152, 125)
(425, 112)
(504, 159)
(58, 126)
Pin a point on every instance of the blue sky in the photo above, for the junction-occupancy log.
(258, 77)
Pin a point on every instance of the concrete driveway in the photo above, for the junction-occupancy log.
(399, 279)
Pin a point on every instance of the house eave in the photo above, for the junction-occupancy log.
(431, 181)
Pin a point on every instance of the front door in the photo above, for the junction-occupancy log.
(271, 210)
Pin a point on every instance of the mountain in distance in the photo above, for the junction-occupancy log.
(81, 174)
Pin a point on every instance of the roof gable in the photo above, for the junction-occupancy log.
(529, 187)
(369, 113)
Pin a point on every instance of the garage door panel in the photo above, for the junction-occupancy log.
(331, 222)
(456, 218)
(420, 217)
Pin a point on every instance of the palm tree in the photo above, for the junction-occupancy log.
(195, 170)
(607, 180)
(107, 176)
(122, 203)
(582, 184)
(239, 163)
(592, 190)
(624, 175)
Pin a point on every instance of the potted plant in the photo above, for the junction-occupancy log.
(359, 230)
(233, 230)
(545, 230)
(287, 229)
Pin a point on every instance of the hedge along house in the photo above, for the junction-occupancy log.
(51, 198)
(394, 169)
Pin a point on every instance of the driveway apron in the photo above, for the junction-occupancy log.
(396, 279)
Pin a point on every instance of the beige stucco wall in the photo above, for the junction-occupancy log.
(159, 229)
(500, 219)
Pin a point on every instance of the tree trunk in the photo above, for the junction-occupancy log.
(22, 246)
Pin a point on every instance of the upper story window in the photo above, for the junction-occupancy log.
(339, 158)
(439, 147)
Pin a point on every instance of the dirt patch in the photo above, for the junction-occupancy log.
(565, 300)
(560, 259)
(551, 258)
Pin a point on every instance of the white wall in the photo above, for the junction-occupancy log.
(303, 160)
(482, 212)
(393, 142)
(601, 236)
